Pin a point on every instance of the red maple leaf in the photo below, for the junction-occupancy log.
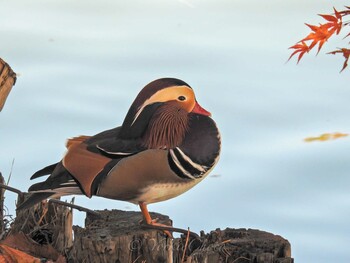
(301, 48)
(345, 13)
(319, 35)
(346, 54)
(335, 22)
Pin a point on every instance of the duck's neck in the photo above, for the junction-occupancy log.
(167, 128)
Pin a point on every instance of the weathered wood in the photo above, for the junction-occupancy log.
(62, 231)
(236, 245)
(7, 80)
(117, 236)
(46, 223)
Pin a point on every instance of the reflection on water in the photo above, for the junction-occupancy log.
(82, 63)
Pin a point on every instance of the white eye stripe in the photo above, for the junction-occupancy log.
(162, 96)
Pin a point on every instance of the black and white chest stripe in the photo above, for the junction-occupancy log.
(183, 166)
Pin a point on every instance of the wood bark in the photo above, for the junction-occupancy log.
(238, 246)
(47, 224)
(118, 237)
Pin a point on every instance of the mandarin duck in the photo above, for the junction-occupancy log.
(166, 145)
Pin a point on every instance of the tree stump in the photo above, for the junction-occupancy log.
(236, 246)
(46, 223)
(118, 237)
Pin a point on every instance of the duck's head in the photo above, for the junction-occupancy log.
(160, 113)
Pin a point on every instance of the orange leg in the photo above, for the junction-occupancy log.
(145, 213)
(149, 220)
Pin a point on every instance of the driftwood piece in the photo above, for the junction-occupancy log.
(118, 237)
(7, 80)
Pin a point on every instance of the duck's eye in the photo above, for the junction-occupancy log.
(181, 98)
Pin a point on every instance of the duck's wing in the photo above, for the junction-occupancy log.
(89, 159)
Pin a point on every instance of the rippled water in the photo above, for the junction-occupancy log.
(81, 63)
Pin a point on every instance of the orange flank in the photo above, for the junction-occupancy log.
(326, 137)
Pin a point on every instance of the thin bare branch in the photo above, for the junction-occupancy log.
(79, 208)
(11, 189)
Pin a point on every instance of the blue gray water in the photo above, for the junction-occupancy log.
(81, 63)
